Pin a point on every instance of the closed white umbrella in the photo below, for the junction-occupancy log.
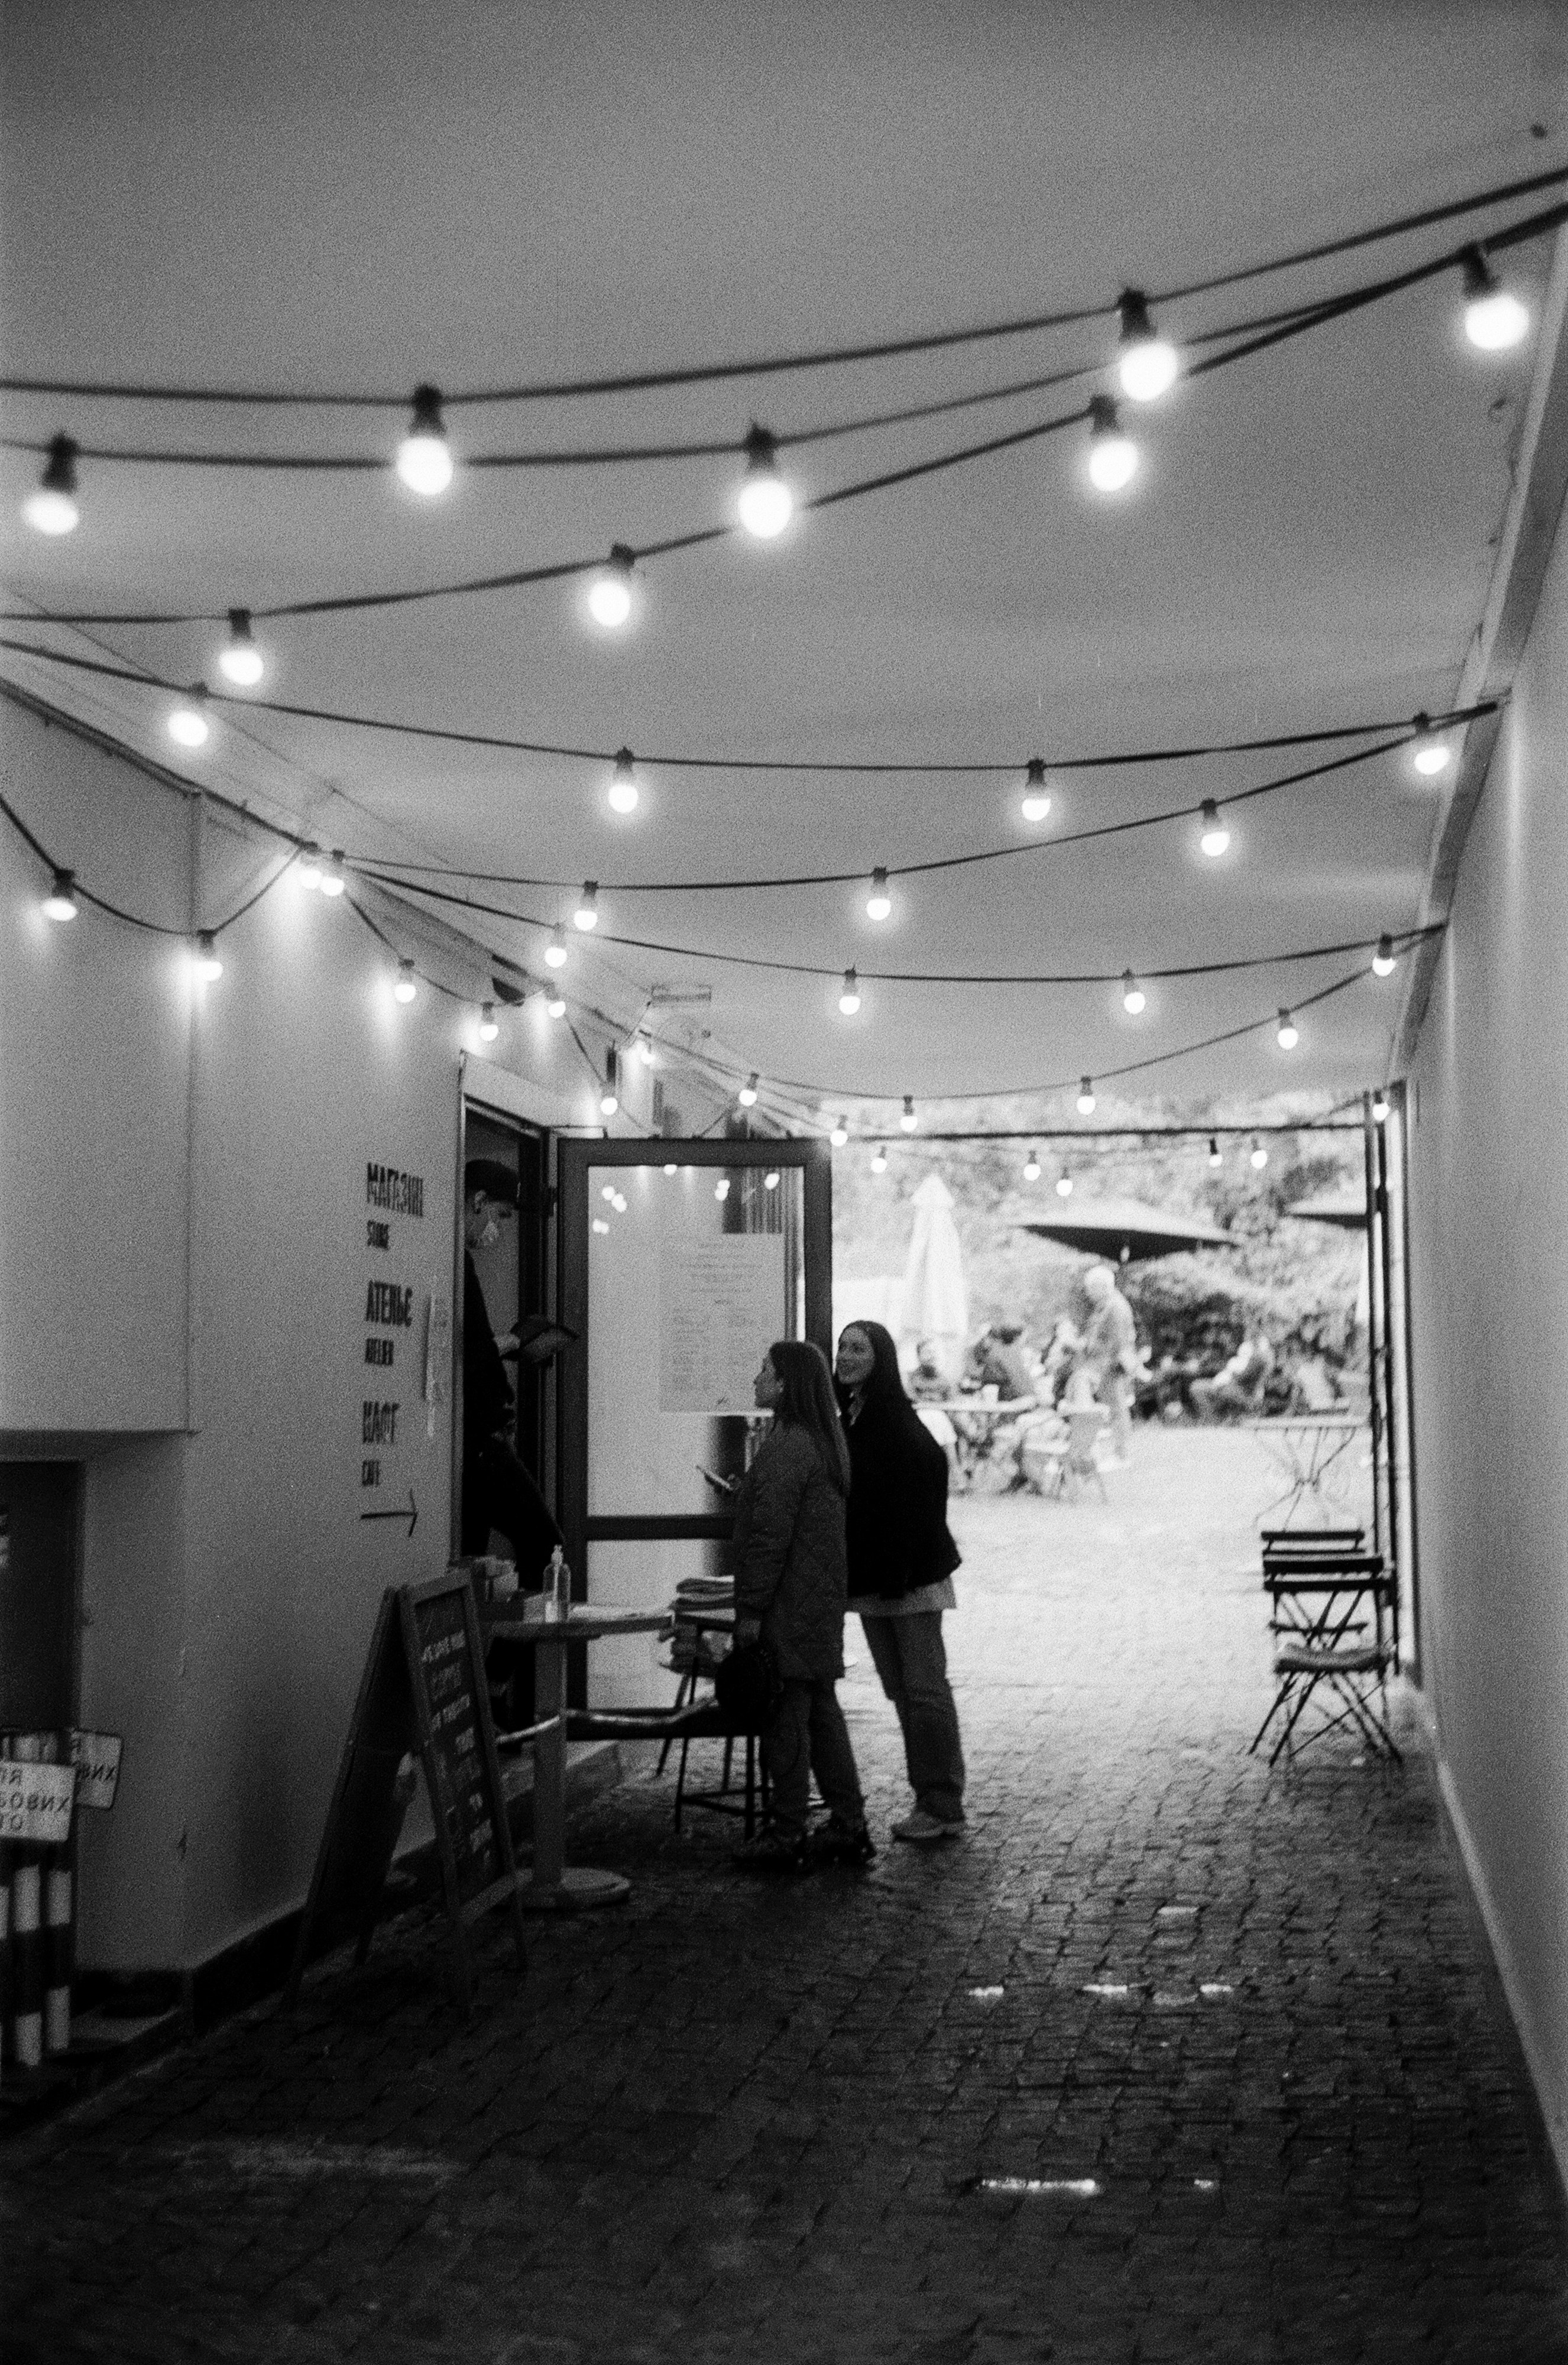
(936, 1302)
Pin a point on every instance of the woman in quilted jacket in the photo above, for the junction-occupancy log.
(791, 1577)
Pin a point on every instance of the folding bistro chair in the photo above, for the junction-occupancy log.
(1084, 1423)
(693, 1716)
(1332, 1622)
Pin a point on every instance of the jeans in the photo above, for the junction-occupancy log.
(913, 1664)
(805, 1735)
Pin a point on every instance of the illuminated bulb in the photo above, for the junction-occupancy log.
(60, 904)
(1383, 959)
(334, 879)
(310, 866)
(1134, 998)
(424, 457)
(879, 1162)
(1112, 456)
(240, 658)
(721, 1187)
(1494, 317)
(406, 988)
(488, 1030)
(609, 1098)
(770, 1179)
(646, 1051)
(1289, 1034)
(599, 1225)
(672, 1167)
(187, 725)
(850, 1000)
(1259, 1156)
(586, 916)
(840, 1134)
(555, 1007)
(610, 593)
(1037, 796)
(52, 508)
(619, 1203)
(879, 904)
(608, 1193)
(909, 1120)
(747, 1093)
(1064, 1185)
(765, 501)
(1430, 754)
(1148, 364)
(1379, 1107)
(1086, 1097)
(623, 784)
(555, 950)
(1032, 1167)
(1215, 836)
(207, 965)
(1215, 1159)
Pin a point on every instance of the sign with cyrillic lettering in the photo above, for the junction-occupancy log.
(35, 1801)
(96, 1756)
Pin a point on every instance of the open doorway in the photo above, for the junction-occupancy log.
(510, 1263)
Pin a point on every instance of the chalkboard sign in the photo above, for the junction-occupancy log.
(422, 1695)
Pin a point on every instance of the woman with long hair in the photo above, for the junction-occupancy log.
(791, 1584)
(902, 1559)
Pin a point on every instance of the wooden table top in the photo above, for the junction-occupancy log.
(587, 1622)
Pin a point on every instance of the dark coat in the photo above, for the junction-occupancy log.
(789, 1562)
(897, 1501)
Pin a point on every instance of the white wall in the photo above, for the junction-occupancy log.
(1489, 1302)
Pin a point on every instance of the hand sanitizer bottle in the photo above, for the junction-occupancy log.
(554, 1577)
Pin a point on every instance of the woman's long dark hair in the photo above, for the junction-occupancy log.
(885, 1383)
(808, 1402)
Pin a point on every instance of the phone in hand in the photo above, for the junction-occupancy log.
(721, 1485)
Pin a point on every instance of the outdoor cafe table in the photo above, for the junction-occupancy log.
(1305, 1448)
(555, 1886)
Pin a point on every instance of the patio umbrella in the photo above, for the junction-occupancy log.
(936, 1302)
(1123, 1231)
(1346, 1209)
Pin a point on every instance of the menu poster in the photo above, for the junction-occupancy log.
(466, 1806)
(721, 1307)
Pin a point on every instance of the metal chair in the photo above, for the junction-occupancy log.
(1323, 1603)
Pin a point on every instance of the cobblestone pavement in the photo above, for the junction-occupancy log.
(1235, 2026)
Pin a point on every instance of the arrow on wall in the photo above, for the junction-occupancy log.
(411, 1514)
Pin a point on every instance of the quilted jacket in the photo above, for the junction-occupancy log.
(791, 1569)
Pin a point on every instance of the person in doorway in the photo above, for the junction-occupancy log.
(1110, 1355)
(902, 1559)
(499, 1491)
(791, 1586)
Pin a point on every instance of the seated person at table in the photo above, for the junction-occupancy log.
(1237, 1386)
(999, 1361)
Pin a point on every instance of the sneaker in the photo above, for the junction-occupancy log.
(921, 1830)
(837, 1842)
(771, 1850)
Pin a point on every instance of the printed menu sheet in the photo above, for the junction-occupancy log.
(721, 1307)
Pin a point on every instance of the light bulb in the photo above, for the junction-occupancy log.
(840, 1134)
(1148, 364)
(1430, 754)
(879, 1162)
(609, 1098)
(1288, 1035)
(609, 592)
(879, 904)
(609, 1101)
(205, 963)
(555, 1006)
(619, 1203)
(1259, 1156)
(310, 866)
(747, 1093)
(586, 916)
(60, 904)
(488, 1030)
(52, 508)
(424, 457)
(406, 987)
(240, 658)
(1064, 1185)
(334, 879)
(1215, 836)
(1215, 1159)
(600, 1226)
(608, 1193)
(721, 1187)
(1037, 796)
(765, 501)
(1383, 959)
(1134, 998)
(850, 1000)
(187, 725)
(909, 1120)
(671, 1168)
(1379, 1107)
(555, 950)
(770, 1179)
(1495, 319)
(1032, 1167)
(1086, 1097)
(623, 783)
(1113, 456)
(645, 1052)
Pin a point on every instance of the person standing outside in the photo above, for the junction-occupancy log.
(1110, 1353)
(902, 1559)
(497, 1490)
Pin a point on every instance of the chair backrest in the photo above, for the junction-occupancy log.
(1084, 1423)
(1312, 1539)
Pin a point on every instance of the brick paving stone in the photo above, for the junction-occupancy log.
(730, 2120)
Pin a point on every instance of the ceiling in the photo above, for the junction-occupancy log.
(333, 197)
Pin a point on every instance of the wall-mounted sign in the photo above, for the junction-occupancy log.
(97, 1757)
(36, 1802)
(390, 1375)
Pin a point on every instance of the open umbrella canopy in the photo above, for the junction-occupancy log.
(1123, 1231)
(1346, 1209)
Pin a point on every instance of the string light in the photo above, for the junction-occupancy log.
(1036, 795)
(555, 950)
(1064, 1184)
(1383, 959)
(187, 725)
(643, 1046)
(586, 916)
(488, 1030)
(850, 1000)
(600, 1226)
(671, 1168)
(623, 783)
(205, 961)
(1216, 837)
(555, 1006)
(335, 878)
(1148, 363)
(879, 1162)
(721, 1187)
(60, 904)
(909, 1120)
(1113, 456)
(1134, 999)
(747, 1093)
(240, 658)
(1379, 1107)
(608, 1193)
(1215, 1158)
(1430, 754)
(406, 988)
(840, 1134)
(1495, 319)
(609, 1098)
(619, 1203)
(609, 592)
(52, 508)
(770, 1179)
(1288, 1033)
(879, 904)
(424, 457)
(765, 501)
(310, 866)
(1032, 1167)
(1259, 1156)
(1086, 1097)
